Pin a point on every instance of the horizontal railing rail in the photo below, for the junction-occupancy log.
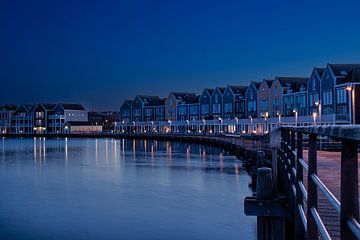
(309, 224)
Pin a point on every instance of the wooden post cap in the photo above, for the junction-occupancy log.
(264, 183)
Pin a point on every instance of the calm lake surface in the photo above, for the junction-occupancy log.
(121, 189)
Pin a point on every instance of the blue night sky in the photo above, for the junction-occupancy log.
(100, 53)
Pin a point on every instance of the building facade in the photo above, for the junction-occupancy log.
(138, 108)
(205, 104)
(217, 102)
(295, 98)
(188, 109)
(154, 110)
(23, 120)
(65, 112)
(314, 90)
(229, 98)
(263, 101)
(281, 86)
(42, 113)
(173, 100)
(251, 98)
(6, 112)
(126, 111)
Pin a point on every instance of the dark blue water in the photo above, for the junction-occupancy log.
(120, 189)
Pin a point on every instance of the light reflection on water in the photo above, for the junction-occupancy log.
(121, 189)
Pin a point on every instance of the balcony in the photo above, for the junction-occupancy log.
(56, 117)
(342, 118)
(56, 124)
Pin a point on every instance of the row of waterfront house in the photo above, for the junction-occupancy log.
(53, 118)
(328, 95)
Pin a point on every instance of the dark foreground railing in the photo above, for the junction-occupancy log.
(303, 202)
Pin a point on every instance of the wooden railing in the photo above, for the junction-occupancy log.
(303, 201)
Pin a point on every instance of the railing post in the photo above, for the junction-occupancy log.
(349, 187)
(292, 147)
(260, 158)
(299, 226)
(292, 141)
(280, 165)
(312, 231)
(264, 191)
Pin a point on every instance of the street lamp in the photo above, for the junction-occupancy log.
(350, 90)
(296, 117)
(318, 103)
(152, 126)
(221, 122)
(237, 124)
(279, 118)
(204, 129)
(251, 122)
(170, 125)
(314, 116)
(266, 125)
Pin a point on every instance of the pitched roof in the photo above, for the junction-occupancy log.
(22, 108)
(269, 82)
(72, 106)
(48, 106)
(238, 89)
(353, 76)
(147, 98)
(257, 84)
(209, 90)
(342, 70)
(293, 84)
(31, 107)
(221, 89)
(8, 107)
(128, 102)
(155, 102)
(187, 98)
(183, 96)
(319, 71)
